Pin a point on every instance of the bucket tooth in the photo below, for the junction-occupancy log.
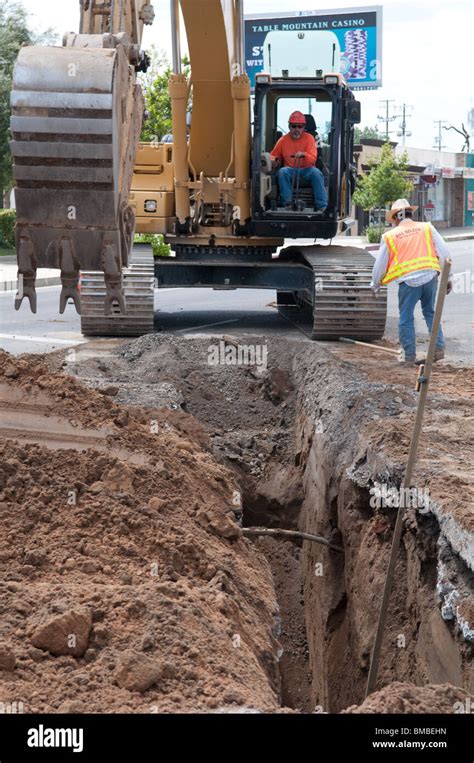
(69, 275)
(26, 272)
(69, 291)
(114, 296)
(113, 278)
(27, 289)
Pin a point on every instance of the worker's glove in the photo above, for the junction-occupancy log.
(449, 287)
(375, 289)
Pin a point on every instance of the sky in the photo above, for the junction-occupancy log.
(427, 55)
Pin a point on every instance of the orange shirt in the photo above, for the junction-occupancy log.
(287, 146)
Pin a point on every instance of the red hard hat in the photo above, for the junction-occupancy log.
(297, 118)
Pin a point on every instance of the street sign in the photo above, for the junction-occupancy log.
(447, 172)
(429, 211)
(356, 34)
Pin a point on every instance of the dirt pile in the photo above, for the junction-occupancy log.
(405, 698)
(127, 586)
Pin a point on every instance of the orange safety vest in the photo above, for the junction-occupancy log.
(410, 247)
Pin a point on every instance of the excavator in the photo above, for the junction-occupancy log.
(85, 184)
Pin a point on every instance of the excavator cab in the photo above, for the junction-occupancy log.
(331, 112)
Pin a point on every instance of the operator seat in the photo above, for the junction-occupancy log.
(306, 192)
(313, 130)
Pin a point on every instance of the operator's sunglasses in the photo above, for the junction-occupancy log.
(300, 127)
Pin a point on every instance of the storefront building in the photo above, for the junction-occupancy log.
(440, 179)
(443, 184)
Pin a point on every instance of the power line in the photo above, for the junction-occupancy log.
(438, 140)
(388, 117)
(404, 114)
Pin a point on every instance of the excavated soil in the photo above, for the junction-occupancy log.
(129, 585)
(126, 587)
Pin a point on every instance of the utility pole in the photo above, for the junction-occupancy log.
(438, 141)
(470, 121)
(405, 114)
(388, 117)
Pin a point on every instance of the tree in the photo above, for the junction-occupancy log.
(367, 132)
(385, 181)
(465, 135)
(157, 99)
(14, 32)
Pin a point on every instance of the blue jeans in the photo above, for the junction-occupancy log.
(408, 296)
(311, 174)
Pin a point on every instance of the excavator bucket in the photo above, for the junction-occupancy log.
(76, 119)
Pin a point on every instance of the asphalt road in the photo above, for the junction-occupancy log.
(204, 311)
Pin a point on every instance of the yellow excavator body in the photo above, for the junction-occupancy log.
(85, 184)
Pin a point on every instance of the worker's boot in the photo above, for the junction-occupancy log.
(410, 360)
(439, 355)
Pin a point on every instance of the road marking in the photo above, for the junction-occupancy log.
(43, 339)
(207, 326)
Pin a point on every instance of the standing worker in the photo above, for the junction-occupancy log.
(412, 254)
(298, 146)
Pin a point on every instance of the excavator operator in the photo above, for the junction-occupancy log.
(297, 152)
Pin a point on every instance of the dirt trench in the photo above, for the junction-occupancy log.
(302, 441)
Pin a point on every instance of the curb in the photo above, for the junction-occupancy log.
(13, 285)
(461, 237)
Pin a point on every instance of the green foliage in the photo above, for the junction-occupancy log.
(367, 132)
(157, 99)
(386, 180)
(7, 227)
(160, 248)
(14, 32)
(374, 234)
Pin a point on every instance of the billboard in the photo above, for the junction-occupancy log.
(357, 46)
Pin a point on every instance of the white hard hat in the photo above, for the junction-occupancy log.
(397, 206)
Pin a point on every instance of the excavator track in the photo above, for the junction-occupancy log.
(138, 282)
(342, 303)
